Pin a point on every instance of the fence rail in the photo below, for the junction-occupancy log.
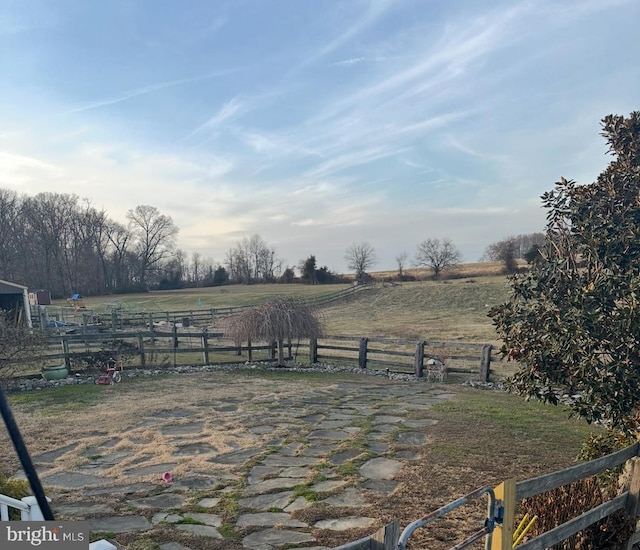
(198, 346)
(510, 493)
(119, 319)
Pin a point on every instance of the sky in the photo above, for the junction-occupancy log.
(315, 124)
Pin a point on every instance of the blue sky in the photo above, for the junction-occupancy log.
(315, 124)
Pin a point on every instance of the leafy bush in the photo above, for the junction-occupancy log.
(14, 488)
(598, 445)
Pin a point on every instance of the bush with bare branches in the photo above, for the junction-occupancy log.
(277, 320)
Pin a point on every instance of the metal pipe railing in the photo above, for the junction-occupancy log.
(440, 512)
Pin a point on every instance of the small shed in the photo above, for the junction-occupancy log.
(14, 300)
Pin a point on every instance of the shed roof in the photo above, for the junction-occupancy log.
(11, 288)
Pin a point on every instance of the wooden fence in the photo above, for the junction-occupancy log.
(194, 346)
(121, 319)
(512, 492)
(628, 500)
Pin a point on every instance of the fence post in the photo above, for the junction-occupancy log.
(419, 359)
(205, 345)
(485, 363)
(35, 512)
(502, 538)
(289, 349)
(114, 321)
(65, 350)
(43, 320)
(272, 350)
(386, 538)
(249, 350)
(141, 349)
(152, 330)
(174, 336)
(362, 353)
(313, 351)
(633, 500)
(85, 322)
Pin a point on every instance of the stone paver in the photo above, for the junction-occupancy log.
(77, 510)
(268, 519)
(140, 471)
(51, 456)
(173, 546)
(158, 501)
(328, 486)
(208, 519)
(166, 518)
(412, 438)
(380, 468)
(344, 524)
(298, 504)
(351, 498)
(120, 524)
(200, 530)
(264, 502)
(381, 486)
(208, 502)
(275, 538)
(307, 435)
(74, 480)
(273, 484)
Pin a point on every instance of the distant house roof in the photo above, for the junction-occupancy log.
(11, 288)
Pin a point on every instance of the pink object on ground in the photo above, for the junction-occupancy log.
(167, 477)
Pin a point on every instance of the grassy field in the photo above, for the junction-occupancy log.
(203, 298)
(451, 309)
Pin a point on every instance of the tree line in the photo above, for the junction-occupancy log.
(60, 242)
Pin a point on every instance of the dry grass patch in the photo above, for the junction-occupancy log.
(480, 439)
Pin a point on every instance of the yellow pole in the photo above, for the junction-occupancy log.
(502, 538)
(521, 525)
(525, 531)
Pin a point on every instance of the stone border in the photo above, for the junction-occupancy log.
(36, 383)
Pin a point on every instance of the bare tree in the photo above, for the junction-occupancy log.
(155, 236)
(251, 260)
(510, 249)
(17, 342)
(360, 257)
(505, 251)
(196, 263)
(274, 321)
(438, 255)
(401, 260)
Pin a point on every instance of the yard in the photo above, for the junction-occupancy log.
(219, 433)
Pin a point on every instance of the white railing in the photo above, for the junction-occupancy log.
(30, 511)
(28, 506)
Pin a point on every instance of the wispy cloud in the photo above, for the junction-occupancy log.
(20, 169)
(352, 159)
(124, 96)
(349, 62)
(375, 10)
(226, 112)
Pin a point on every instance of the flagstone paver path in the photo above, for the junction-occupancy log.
(292, 450)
